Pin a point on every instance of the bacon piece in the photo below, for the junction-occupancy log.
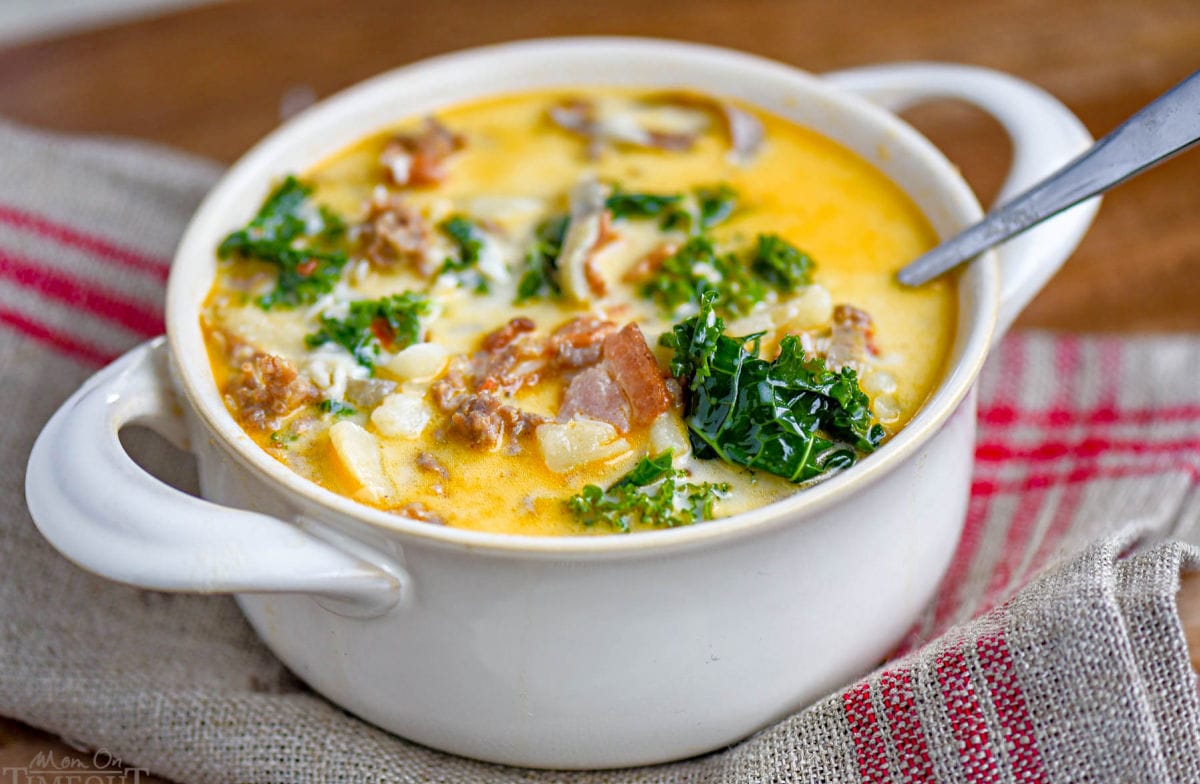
(588, 230)
(419, 158)
(595, 394)
(746, 133)
(591, 272)
(577, 343)
(579, 116)
(668, 140)
(394, 232)
(647, 266)
(626, 125)
(622, 126)
(268, 389)
(636, 371)
(499, 338)
(852, 340)
(623, 385)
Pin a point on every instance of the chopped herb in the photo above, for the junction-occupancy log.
(740, 284)
(296, 237)
(541, 275)
(391, 323)
(281, 438)
(623, 204)
(713, 205)
(470, 240)
(782, 265)
(335, 407)
(650, 494)
(708, 206)
(697, 267)
(790, 416)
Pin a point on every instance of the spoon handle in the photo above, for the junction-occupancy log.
(1167, 126)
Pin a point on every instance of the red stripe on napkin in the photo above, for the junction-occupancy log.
(868, 738)
(100, 248)
(983, 488)
(966, 717)
(140, 319)
(1054, 451)
(59, 341)
(1009, 702)
(1109, 414)
(908, 737)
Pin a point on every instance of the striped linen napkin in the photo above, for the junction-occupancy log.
(1052, 653)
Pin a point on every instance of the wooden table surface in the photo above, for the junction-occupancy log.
(212, 80)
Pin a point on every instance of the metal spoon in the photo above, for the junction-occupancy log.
(1167, 126)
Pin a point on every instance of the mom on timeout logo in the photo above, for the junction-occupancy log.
(46, 767)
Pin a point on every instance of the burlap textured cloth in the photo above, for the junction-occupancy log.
(1053, 652)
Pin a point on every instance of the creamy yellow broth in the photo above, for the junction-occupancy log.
(517, 168)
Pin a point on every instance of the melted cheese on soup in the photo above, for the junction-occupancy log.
(460, 319)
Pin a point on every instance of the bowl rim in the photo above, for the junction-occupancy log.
(193, 377)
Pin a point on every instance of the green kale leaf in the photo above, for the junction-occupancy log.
(740, 284)
(779, 264)
(624, 204)
(698, 267)
(301, 239)
(715, 205)
(371, 326)
(540, 278)
(790, 416)
(708, 206)
(695, 341)
(470, 240)
(651, 494)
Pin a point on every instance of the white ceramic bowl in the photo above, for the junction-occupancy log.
(559, 652)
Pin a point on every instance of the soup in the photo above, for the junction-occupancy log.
(577, 312)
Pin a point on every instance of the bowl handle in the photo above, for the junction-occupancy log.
(1044, 133)
(101, 510)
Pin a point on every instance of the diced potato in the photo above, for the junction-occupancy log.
(418, 362)
(358, 454)
(401, 416)
(878, 382)
(508, 211)
(668, 432)
(886, 409)
(758, 321)
(812, 307)
(572, 444)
